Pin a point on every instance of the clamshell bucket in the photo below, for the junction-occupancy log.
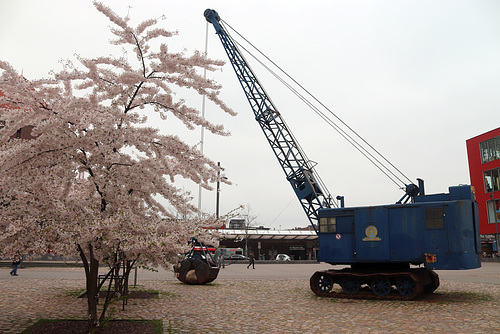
(198, 265)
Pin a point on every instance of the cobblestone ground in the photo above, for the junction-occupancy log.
(259, 306)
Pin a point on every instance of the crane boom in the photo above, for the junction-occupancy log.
(299, 170)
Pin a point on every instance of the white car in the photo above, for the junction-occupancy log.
(283, 257)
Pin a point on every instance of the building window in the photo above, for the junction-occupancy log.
(434, 218)
(491, 180)
(328, 225)
(493, 211)
(490, 149)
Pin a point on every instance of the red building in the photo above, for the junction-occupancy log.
(24, 132)
(484, 167)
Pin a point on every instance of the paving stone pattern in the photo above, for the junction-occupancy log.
(259, 306)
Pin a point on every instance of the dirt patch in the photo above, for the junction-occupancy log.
(131, 295)
(80, 326)
(134, 294)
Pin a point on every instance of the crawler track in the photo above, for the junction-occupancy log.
(386, 285)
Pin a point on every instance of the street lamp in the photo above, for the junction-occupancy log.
(218, 190)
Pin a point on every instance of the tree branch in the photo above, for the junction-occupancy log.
(142, 56)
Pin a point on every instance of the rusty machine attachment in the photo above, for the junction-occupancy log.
(198, 265)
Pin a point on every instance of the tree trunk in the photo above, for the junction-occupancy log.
(92, 292)
(91, 273)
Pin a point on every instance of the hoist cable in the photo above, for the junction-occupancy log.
(363, 150)
(343, 133)
(336, 127)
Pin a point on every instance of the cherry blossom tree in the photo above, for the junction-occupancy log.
(96, 181)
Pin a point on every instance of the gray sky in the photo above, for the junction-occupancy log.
(414, 78)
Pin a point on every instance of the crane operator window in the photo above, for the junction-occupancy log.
(434, 218)
(328, 225)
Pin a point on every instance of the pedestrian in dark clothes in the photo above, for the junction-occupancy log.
(251, 262)
(16, 261)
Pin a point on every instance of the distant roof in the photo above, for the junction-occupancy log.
(269, 234)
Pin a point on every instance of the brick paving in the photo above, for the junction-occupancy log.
(255, 306)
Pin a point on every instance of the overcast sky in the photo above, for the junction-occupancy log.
(415, 78)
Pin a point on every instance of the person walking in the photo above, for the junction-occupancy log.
(16, 261)
(251, 261)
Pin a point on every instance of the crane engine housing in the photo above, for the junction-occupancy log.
(438, 231)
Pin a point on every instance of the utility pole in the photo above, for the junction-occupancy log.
(200, 189)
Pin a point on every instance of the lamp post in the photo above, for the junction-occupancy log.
(218, 192)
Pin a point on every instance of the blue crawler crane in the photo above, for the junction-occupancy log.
(389, 251)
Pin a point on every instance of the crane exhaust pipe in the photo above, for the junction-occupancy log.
(421, 187)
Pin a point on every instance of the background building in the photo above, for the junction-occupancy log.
(299, 243)
(484, 167)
